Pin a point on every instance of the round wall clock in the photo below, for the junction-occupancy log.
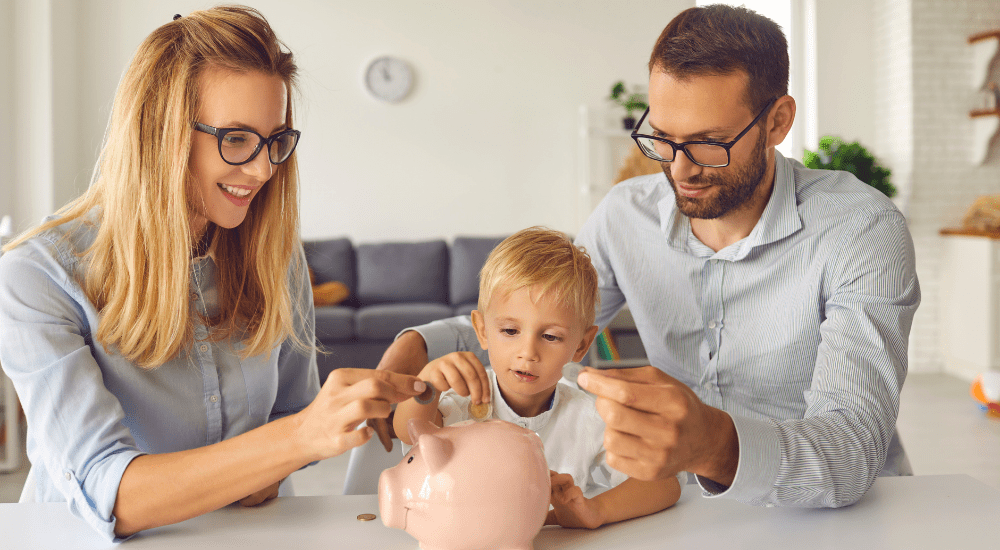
(389, 78)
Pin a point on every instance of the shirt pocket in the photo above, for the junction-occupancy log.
(260, 377)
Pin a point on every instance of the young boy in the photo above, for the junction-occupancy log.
(537, 301)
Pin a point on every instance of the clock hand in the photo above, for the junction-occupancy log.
(385, 74)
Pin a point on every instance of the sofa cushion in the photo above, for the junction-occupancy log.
(335, 323)
(468, 254)
(465, 309)
(403, 272)
(333, 260)
(383, 322)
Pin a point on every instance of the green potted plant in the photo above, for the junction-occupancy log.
(635, 101)
(835, 154)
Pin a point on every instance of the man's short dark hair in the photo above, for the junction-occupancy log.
(719, 40)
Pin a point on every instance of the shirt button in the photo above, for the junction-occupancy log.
(68, 476)
(711, 324)
(204, 348)
(213, 398)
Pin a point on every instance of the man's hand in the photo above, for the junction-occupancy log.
(569, 507)
(656, 426)
(407, 355)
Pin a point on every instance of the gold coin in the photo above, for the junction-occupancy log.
(480, 411)
(366, 517)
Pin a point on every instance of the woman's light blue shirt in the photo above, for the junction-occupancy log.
(90, 411)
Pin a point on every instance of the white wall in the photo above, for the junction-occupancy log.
(845, 89)
(33, 118)
(6, 105)
(485, 144)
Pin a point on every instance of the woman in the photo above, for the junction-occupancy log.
(159, 328)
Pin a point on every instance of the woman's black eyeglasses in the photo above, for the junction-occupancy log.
(239, 145)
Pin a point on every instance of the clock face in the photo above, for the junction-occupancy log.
(389, 78)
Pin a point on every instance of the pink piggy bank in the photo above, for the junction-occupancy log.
(471, 486)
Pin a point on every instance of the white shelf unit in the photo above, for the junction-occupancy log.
(603, 146)
(622, 329)
(970, 305)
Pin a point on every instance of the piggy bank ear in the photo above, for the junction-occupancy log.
(436, 451)
(417, 427)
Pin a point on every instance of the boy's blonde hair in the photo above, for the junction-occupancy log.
(545, 258)
(139, 266)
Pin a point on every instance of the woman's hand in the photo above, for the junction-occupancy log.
(460, 371)
(327, 426)
(260, 497)
(570, 508)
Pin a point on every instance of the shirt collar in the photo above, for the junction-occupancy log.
(779, 219)
(781, 215)
(503, 411)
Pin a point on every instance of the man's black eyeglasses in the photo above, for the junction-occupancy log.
(711, 154)
(240, 145)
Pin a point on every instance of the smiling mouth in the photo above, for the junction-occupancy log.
(238, 192)
(689, 188)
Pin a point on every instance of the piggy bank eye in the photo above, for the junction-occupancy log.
(410, 460)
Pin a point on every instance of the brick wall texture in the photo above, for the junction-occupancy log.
(924, 93)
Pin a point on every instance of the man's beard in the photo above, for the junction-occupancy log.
(733, 190)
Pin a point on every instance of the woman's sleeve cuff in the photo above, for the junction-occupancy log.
(94, 498)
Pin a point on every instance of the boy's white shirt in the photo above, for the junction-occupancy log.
(571, 430)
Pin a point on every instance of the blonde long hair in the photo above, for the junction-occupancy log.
(138, 268)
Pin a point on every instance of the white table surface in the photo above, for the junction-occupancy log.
(952, 511)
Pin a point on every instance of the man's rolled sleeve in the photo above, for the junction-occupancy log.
(448, 336)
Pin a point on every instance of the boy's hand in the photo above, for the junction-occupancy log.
(570, 508)
(460, 371)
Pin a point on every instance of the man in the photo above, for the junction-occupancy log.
(774, 302)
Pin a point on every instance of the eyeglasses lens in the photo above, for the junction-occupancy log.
(709, 155)
(282, 147)
(237, 146)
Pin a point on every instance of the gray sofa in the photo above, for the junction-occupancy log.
(392, 285)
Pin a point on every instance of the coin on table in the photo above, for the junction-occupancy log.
(366, 517)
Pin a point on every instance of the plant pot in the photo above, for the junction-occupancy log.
(628, 122)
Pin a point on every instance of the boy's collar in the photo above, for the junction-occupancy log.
(503, 411)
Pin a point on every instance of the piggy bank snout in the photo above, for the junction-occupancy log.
(390, 505)
(482, 485)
